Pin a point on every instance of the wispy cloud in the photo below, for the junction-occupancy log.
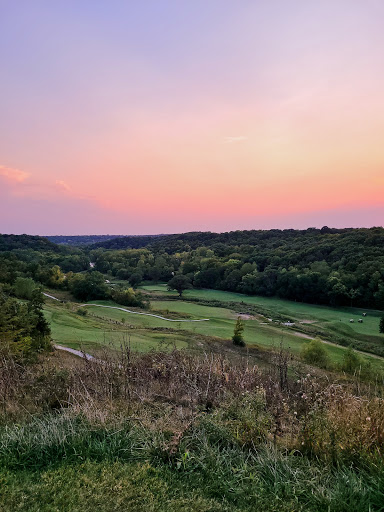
(13, 175)
(62, 185)
(231, 140)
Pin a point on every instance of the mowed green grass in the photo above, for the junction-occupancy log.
(336, 319)
(89, 333)
(221, 324)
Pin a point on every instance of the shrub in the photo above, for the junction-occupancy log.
(381, 325)
(352, 362)
(128, 297)
(316, 354)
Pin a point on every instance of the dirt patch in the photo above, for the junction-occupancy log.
(244, 316)
(308, 321)
(302, 335)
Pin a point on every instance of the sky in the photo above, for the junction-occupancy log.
(167, 116)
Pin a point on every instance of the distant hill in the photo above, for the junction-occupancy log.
(35, 243)
(79, 240)
(106, 241)
(128, 242)
(272, 239)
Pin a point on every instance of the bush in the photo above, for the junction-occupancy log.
(381, 325)
(353, 362)
(90, 286)
(315, 353)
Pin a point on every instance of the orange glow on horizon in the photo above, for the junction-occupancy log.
(272, 113)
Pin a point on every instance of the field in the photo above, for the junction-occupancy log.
(336, 319)
(91, 333)
(105, 326)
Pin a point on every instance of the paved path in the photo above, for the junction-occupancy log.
(51, 297)
(133, 312)
(79, 353)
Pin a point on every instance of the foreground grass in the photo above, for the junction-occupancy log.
(105, 486)
(176, 431)
(65, 464)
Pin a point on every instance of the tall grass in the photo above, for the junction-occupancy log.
(208, 459)
(236, 436)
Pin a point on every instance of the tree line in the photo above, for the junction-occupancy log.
(338, 267)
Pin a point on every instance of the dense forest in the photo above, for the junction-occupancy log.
(322, 266)
(326, 266)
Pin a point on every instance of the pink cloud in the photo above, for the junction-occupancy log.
(63, 186)
(13, 175)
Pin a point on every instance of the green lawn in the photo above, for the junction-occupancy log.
(222, 323)
(89, 332)
(336, 319)
(75, 331)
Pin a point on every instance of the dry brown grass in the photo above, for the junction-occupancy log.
(168, 392)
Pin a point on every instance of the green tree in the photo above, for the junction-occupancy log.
(353, 294)
(179, 283)
(135, 279)
(23, 328)
(24, 287)
(237, 337)
(381, 325)
(56, 278)
(90, 286)
(128, 297)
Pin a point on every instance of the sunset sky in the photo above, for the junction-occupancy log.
(160, 116)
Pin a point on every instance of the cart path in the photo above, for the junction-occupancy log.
(51, 296)
(75, 352)
(145, 314)
(133, 312)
